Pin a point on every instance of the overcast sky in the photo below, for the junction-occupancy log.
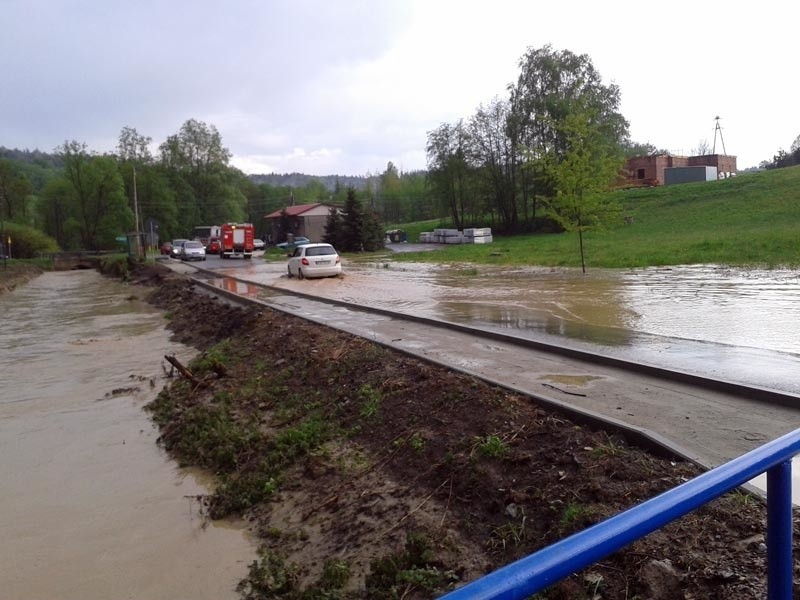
(343, 87)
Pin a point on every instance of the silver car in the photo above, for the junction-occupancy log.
(193, 250)
(315, 260)
(175, 250)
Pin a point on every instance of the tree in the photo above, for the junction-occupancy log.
(373, 235)
(99, 208)
(588, 167)
(795, 147)
(14, 191)
(352, 223)
(449, 172)
(551, 86)
(631, 149)
(196, 155)
(389, 193)
(360, 230)
(494, 153)
(333, 228)
(147, 185)
(55, 213)
(134, 147)
(703, 148)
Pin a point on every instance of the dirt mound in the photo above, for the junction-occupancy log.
(370, 474)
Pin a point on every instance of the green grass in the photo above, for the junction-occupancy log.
(750, 220)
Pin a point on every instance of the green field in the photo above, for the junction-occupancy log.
(750, 220)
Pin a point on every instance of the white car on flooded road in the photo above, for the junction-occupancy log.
(315, 260)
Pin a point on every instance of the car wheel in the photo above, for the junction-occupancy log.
(300, 274)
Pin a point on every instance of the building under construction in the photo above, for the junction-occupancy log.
(657, 169)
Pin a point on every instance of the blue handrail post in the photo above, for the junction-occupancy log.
(779, 531)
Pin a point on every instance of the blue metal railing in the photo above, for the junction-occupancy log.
(541, 569)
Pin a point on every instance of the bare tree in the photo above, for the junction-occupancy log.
(703, 148)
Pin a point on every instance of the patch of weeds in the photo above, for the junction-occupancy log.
(335, 575)
(237, 494)
(210, 437)
(473, 272)
(509, 535)
(300, 440)
(417, 442)
(370, 400)
(610, 448)
(743, 499)
(169, 315)
(217, 358)
(268, 577)
(412, 571)
(572, 512)
(492, 446)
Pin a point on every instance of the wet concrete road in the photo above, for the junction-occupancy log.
(707, 426)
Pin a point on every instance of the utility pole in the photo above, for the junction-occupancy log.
(140, 247)
(135, 200)
(716, 129)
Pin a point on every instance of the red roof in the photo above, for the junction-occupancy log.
(295, 211)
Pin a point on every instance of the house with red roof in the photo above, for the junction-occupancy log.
(307, 220)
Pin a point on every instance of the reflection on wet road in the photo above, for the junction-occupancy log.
(736, 324)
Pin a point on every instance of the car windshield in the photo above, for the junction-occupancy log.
(192, 245)
(320, 250)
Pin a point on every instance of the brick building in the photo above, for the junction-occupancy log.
(649, 170)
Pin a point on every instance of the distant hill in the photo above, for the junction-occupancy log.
(298, 180)
(33, 157)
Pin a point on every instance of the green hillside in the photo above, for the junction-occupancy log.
(753, 219)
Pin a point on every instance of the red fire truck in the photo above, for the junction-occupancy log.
(236, 239)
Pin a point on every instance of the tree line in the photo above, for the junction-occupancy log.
(85, 200)
(784, 159)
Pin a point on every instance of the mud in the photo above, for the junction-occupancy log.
(409, 450)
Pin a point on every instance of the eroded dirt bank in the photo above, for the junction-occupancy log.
(369, 474)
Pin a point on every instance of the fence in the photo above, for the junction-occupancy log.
(541, 569)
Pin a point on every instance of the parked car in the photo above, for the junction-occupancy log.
(175, 247)
(258, 244)
(213, 246)
(193, 250)
(298, 241)
(166, 248)
(315, 260)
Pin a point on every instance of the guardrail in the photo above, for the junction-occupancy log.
(541, 569)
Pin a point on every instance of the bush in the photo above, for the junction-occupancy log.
(27, 242)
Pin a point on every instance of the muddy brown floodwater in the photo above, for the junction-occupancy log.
(728, 323)
(90, 507)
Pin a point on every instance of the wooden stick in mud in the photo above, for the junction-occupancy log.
(182, 370)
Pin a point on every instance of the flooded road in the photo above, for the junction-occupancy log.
(90, 508)
(741, 325)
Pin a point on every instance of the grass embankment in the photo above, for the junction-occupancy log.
(753, 219)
